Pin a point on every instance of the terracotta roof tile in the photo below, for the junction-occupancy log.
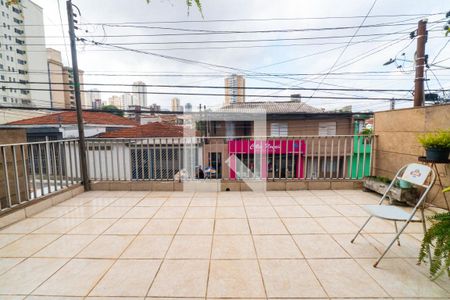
(70, 117)
(146, 131)
(272, 107)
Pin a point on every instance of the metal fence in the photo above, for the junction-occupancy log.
(293, 157)
(32, 170)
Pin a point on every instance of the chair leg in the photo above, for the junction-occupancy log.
(391, 243)
(424, 226)
(396, 231)
(362, 227)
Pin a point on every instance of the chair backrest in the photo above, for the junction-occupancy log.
(416, 174)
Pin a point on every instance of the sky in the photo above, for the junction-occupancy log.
(281, 60)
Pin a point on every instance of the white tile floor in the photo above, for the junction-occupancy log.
(137, 245)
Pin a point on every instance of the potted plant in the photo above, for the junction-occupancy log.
(437, 145)
(438, 237)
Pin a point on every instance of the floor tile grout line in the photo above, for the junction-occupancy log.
(167, 250)
(307, 262)
(73, 257)
(123, 251)
(256, 253)
(211, 250)
(355, 261)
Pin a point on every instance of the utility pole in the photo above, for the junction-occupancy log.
(76, 80)
(419, 93)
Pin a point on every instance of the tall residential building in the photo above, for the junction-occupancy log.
(69, 91)
(139, 92)
(175, 105)
(115, 100)
(22, 49)
(127, 100)
(56, 78)
(234, 89)
(93, 97)
(60, 78)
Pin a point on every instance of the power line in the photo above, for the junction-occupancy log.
(345, 48)
(212, 87)
(218, 94)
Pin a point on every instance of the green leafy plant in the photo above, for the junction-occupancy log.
(113, 110)
(189, 4)
(435, 140)
(438, 237)
(367, 131)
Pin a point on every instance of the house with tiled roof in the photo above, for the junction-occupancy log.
(153, 150)
(64, 125)
(293, 118)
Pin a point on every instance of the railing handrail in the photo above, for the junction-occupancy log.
(234, 137)
(39, 142)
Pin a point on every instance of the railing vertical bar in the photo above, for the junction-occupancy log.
(160, 160)
(105, 156)
(124, 158)
(65, 162)
(16, 174)
(6, 181)
(352, 149)
(325, 156)
(319, 157)
(167, 159)
(136, 172)
(47, 163)
(148, 159)
(77, 166)
(172, 156)
(300, 156)
(273, 161)
(154, 159)
(60, 165)
(364, 157)
(331, 157)
(25, 172)
(54, 168)
(142, 159)
(41, 174)
(111, 150)
(357, 156)
(311, 169)
(180, 157)
(100, 165)
(293, 168)
(344, 166)
(372, 153)
(338, 159)
(94, 161)
(33, 170)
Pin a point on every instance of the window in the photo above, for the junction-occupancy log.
(327, 128)
(278, 129)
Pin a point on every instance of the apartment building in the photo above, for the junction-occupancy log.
(56, 78)
(93, 97)
(23, 49)
(175, 104)
(234, 89)
(69, 90)
(139, 91)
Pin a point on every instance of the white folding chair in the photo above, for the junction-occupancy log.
(417, 175)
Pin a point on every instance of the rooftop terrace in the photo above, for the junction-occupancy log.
(286, 244)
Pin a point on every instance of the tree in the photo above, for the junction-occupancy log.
(113, 110)
(189, 4)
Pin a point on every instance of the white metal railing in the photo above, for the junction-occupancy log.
(272, 158)
(29, 171)
(32, 170)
